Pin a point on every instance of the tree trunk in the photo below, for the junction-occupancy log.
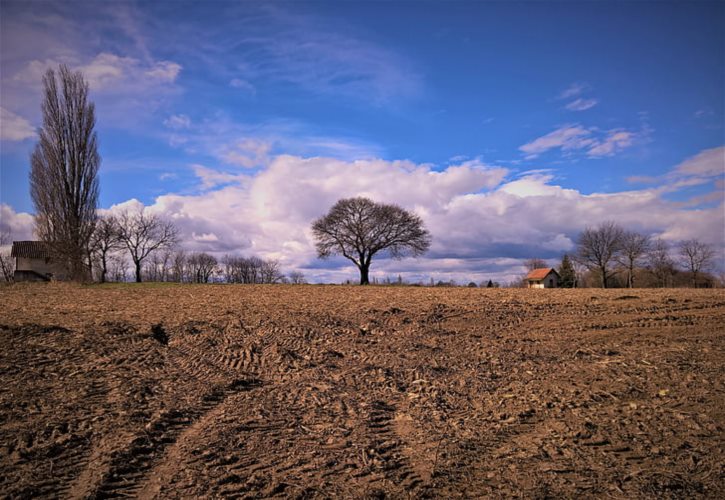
(138, 271)
(630, 277)
(364, 274)
(604, 277)
(104, 269)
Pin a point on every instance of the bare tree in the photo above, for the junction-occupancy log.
(297, 278)
(358, 229)
(251, 270)
(143, 234)
(178, 266)
(659, 262)
(63, 170)
(118, 268)
(201, 267)
(7, 265)
(151, 267)
(633, 248)
(270, 272)
(104, 241)
(165, 264)
(597, 247)
(696, 257)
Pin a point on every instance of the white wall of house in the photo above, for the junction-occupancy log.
(40, 266)
(551, 281)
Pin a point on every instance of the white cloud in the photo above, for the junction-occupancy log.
(14, 127)
(19, 225)
(581, 104)
(708, 166)
(567, 137)
(708, 163)
(248, 153)
(591, 142)
(176, 122)
(211, 178)
(107, 72)
(615, 141)
(573, 90)
(164, 71)
(483, 225)
(305, 51)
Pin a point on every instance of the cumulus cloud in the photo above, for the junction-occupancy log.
(14, 127)
(590, 141)
(483, 222)
(19, 225)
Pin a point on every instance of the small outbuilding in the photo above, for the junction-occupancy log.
(545, 277)
(33, 262)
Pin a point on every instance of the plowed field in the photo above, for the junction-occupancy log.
(346, 392)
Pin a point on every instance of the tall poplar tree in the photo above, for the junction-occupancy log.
(64, 171)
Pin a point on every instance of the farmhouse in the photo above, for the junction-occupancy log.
(546, 277)
(33, 262)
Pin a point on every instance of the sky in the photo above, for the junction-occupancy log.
(509, 127)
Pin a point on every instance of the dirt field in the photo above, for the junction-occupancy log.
(311, 391)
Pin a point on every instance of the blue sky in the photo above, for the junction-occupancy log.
(541, 116)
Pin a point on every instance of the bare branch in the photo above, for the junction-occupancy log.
(143, 234)
(358, 229)
(64, 168)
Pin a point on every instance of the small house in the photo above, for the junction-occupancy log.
(33, 262)
(546, 277)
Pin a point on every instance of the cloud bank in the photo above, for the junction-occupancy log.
(484, 220)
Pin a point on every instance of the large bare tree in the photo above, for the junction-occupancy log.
(63, 170)
(104, 241)
(597, 247)
(696, 257)
(143, 234)
(633, 248)
(359, 228)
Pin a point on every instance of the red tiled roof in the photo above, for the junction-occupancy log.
(30, 250)
(541, 273)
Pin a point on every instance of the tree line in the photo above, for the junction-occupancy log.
(150, 243)
(64, 189)
(609, 255)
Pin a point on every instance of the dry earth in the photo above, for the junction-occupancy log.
(328, 391)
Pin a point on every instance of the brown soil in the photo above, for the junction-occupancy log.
(329, 391)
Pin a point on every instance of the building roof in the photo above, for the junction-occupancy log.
(30, 250)
(541, 273)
